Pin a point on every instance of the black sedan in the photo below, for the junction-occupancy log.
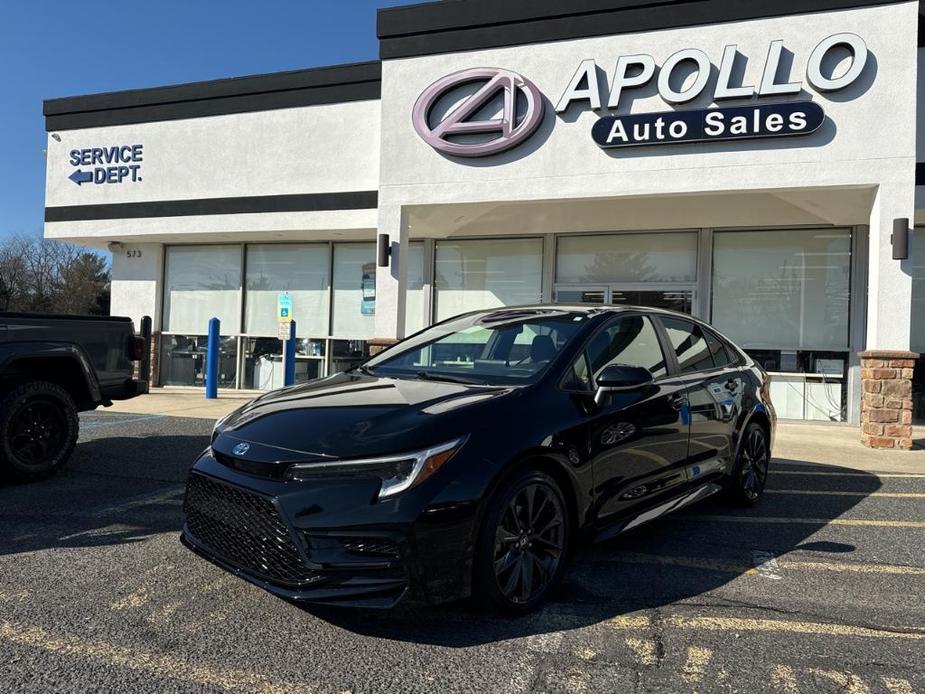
(471, 457)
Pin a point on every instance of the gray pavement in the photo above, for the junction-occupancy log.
(821, 588)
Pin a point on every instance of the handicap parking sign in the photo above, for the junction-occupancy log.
(284, 307)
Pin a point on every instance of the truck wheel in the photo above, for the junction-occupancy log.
(38, 430)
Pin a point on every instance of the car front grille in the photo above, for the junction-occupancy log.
(243, 529)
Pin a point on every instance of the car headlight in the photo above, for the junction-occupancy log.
(396, 472)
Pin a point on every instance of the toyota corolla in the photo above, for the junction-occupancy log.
(470, 458)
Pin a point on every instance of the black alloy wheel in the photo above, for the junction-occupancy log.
(525, 542)
(38, 430)
(751, 472)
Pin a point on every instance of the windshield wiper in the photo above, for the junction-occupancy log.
(449, 378)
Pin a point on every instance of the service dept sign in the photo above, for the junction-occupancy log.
(461, 133)
(113, 164)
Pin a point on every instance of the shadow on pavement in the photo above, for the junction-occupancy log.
(115, 490)
(671, 559)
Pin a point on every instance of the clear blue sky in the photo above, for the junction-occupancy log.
(58, 48)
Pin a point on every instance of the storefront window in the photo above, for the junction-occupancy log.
(202, 282)
(345, 354)
(183, 360)
(301, 270)
(354, 290)
(627, 258)
(478, 274)
(782, 289)
(263, 362)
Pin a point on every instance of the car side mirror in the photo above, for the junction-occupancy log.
(621, 377)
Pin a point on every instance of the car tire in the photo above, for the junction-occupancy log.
(750, 473)
(523, 543)
(38, 430)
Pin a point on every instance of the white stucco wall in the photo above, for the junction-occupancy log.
(314, 149)
(329, 148)
(137, 270)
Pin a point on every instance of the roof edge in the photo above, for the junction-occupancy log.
(288, 89)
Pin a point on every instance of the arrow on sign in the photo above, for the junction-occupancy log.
(81, 176)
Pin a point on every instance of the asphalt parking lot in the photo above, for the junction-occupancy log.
(821, 588)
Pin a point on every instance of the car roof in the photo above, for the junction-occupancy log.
(589, 309)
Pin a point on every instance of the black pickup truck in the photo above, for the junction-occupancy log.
(51, 368)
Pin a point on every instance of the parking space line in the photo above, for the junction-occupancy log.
(15, 595)
(742, 624)
(696, 664)
(846, 681)
(644, 650)
(155, 664)
(101, 424)
(897, 685)
(784, 679)
(815, 492)
(855, 522)
(777, 471)
(132, 600)
(896, 570)
(686, 562)
(744, 568)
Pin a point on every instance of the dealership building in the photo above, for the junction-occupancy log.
(753, 164)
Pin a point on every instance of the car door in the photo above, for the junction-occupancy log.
(714, 387)
(636, 440)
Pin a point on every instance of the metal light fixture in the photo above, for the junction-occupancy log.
(384, 250)
(900, 238)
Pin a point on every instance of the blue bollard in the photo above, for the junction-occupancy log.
(213, 356)
(289, 357)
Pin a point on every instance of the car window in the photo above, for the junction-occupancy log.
(689, 345)
(501, 347)
(717, 349)
(735, 359)
(578, 376)
(631, 340)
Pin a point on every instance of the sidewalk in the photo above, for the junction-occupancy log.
(839, 445)
(796, 442)
(182, 403)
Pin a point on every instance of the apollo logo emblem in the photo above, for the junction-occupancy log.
(511, 127)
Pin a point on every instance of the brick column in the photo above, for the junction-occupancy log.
(886, 405)
(155, 359)
(377, 344)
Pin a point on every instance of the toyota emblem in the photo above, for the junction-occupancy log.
(241, 448)
(510, 128)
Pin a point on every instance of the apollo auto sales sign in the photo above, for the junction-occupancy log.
(834, 64)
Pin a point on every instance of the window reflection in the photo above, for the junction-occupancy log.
(183, 360)
(263, 362)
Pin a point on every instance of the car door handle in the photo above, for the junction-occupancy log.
(676, 401)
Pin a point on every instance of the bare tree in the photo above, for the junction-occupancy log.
(51, 277)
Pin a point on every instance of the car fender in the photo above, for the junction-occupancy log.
(16, 353)
(757, 410)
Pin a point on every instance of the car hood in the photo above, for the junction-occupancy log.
(354, 415)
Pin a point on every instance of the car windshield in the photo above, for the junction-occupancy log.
(502, 347)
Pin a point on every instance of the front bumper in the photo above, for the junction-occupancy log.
(326, 542)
